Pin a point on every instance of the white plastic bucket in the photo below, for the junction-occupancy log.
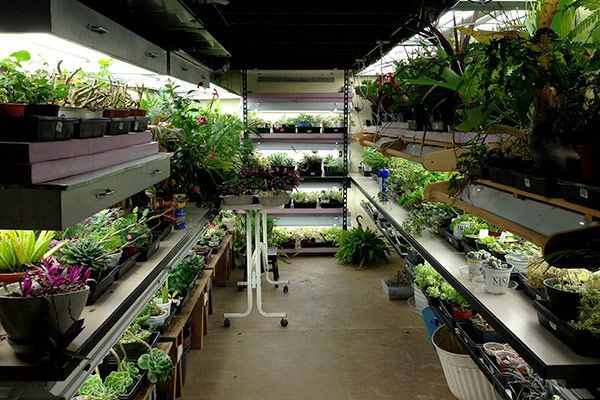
(420, 300)
(496, 280)
(465, 380)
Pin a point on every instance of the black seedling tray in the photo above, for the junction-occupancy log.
(263, 130)
(164, 232)
(90, 128)
(312, 204)
(309, 129)
(445, 234)
(125, 266)
(36, 128)
(579, 193)
(332, 204)
(542, 185)
(147, 252)
(327, 129)
(134, 353)
(582, 342)
(502, 175)
(414, 257)
(102, 286)
(119, 126)
(140, 124)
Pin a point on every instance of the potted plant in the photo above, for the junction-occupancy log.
(375, 160)
(258, 124)
(461, 308)
(158, 364)
(310, 165)
(483, 331)
(496, 274)
(122, 382)
(331, 198)
(333, 166)
(474, 259)
(281, 160)
(156, 315)
(40, 314)
(361, 246)
(235, 192)
(162, 297)
(19, 250)
(274, 198)
(399, 287)
(306, 123)
(564, 296)
(284, 125)
(333, 124)
(305, 199)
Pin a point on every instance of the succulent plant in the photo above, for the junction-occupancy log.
(495, 263)
(84, 252)
(281, 160)
(158, 364)
(478, 255)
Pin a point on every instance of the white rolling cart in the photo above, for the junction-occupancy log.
(256, 256)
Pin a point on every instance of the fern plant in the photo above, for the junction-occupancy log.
(361, 246)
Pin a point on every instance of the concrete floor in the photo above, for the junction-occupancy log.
(345, 340)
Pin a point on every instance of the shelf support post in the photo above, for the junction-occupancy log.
(345, 148)
(245, 101)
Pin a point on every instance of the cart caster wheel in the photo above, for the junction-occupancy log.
(285, 289)
(284, 322)
(276, 286)
(226, 323)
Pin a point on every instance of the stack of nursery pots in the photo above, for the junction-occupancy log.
(465, 380)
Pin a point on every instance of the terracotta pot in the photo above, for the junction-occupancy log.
(115, 113)
(11, 277)
(137, 112)
(460, 314)
(589, 156)
(12, 109)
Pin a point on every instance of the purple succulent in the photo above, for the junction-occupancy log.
(51, 277)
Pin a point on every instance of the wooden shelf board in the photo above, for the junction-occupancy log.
(307, 211)
(214, 258)
(438, 192)
(548, 200)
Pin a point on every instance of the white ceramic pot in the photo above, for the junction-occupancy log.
(112, 260)
(159, 320)
(496, 280)
(518, 261)
(163, 306)
(474, 267)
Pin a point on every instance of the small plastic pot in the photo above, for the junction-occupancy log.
(496, 280)
(115, 113)
(42, 110)
(474, 266)
(563, 304)
(12, 109)
(461, 314)
(491, 348)
(137, 112)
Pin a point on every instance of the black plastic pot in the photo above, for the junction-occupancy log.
(42, 110)
(582, 342)
(537, 184)
(478, 172)
(148, 251)
(140, 124)
(312, 204)
(331, 129)
(263, 130)
(414, 257)
(309, 129)
(310, 170)
(333, 172)
(135, 350)
(290, 244)
(563, 304)
(119, 126)
(580, 193)
(90, 128)
(589, 156)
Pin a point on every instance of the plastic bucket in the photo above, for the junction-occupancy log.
(465, 380)
(431, 321)
(496, 280)
(421, 301)
(474, 267)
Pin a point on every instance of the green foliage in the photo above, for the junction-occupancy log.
(361, 246)
(183, 275)
(430, 216)
(375, 159)
(280, 160)
(158, 364)
(589, 310)
(94, 389)
(118, 382)
(400, 279)
(85, 252)
(332, 194)
(428, 279)
(313, 120)
(305, 197)
(18, 248)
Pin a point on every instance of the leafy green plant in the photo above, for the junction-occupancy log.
(589, 310)
(361, 246)
(333, 121)
(183, 275)
(281, 160)
(449, 294)
(430, 216)
(118, 382)
(305, 197)
(20, 248)
(158, 364)
(428, 279)
(332, 194)
(375, 159)
(94, 389)
(84, 252)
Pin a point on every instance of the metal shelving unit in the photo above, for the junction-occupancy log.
(334, 142)
(511, 314)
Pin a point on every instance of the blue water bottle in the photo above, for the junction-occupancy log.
(384, 174)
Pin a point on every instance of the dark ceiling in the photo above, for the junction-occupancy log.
(274, 34)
